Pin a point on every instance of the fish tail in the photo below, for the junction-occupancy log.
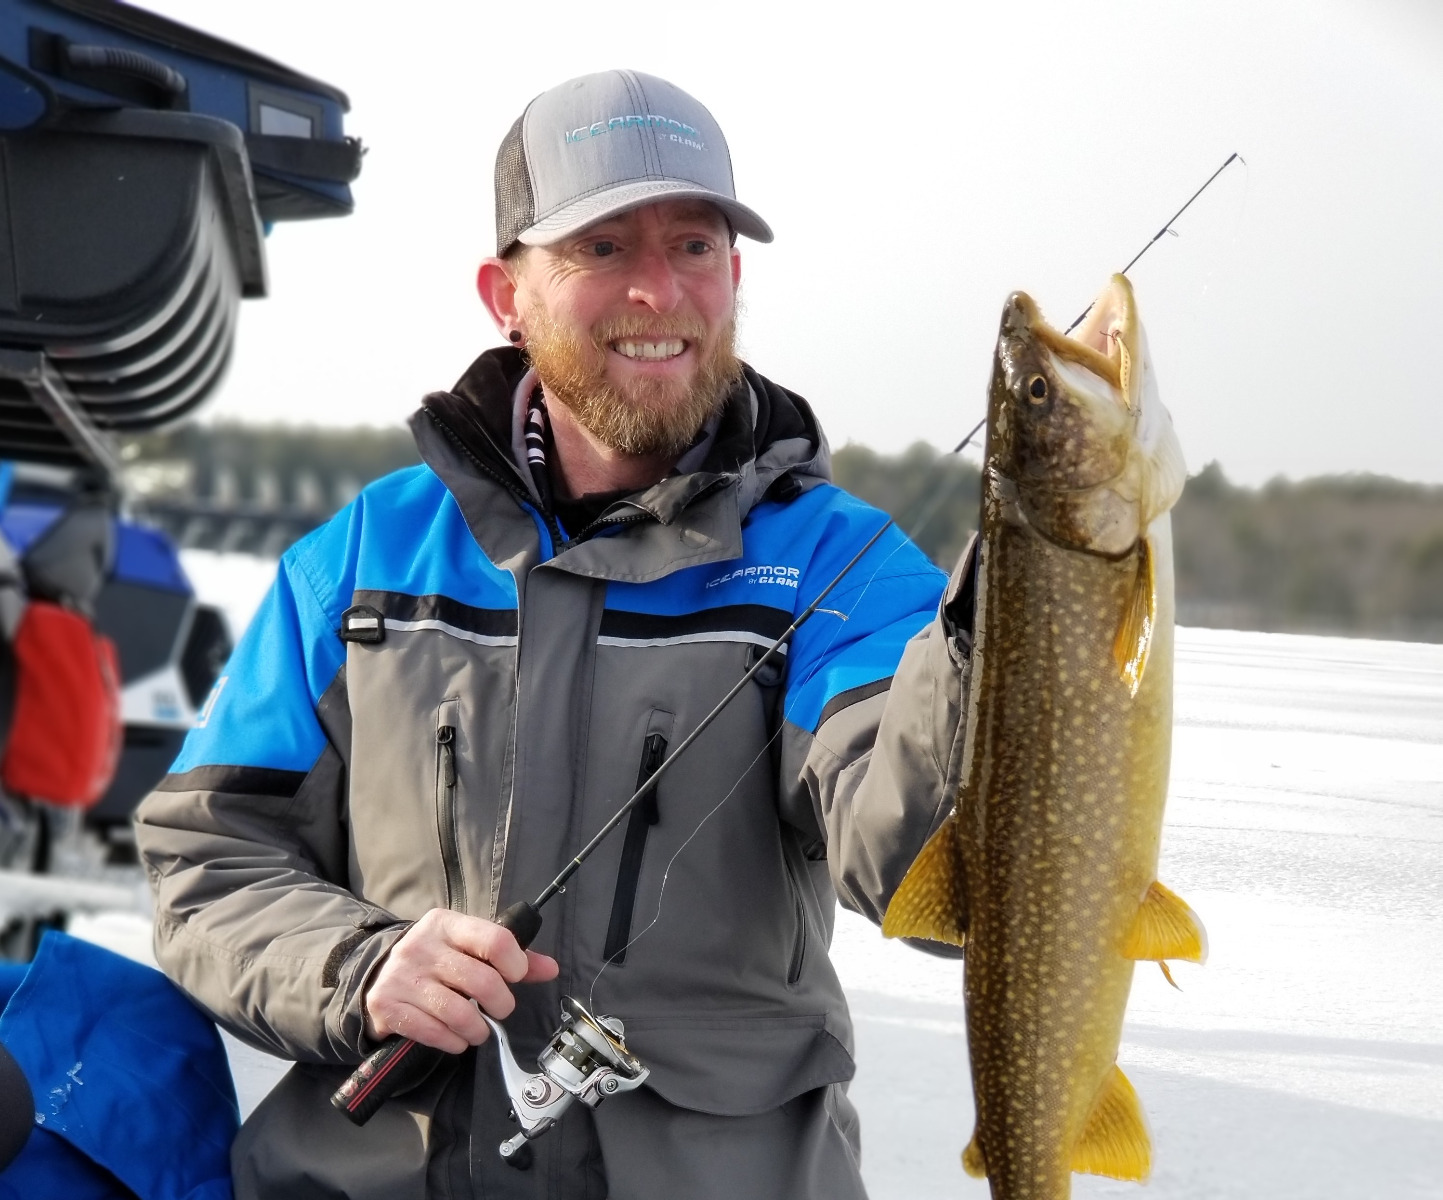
(932, 901)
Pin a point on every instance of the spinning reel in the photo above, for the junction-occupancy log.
(586, 1059)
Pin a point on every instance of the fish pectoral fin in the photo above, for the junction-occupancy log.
(1133, 642)
(1114, 1141)
(972, 1160)
(932, 901)
(1165, 927)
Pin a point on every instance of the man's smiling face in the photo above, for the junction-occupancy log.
(630, 323)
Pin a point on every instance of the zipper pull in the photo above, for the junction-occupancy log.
(655, 753)
(445, 738)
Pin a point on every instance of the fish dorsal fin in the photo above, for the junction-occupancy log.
(1165, 927)
(1139, 618)
(1114, 1140)
(932, 901)
(973, 1161)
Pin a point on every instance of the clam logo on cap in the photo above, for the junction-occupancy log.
(677, 131)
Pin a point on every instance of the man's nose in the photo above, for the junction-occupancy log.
(654, 281)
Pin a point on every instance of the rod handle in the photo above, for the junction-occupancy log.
(401, 1064)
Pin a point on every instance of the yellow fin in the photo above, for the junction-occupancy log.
(1139, 617)
(1165, 927)
(972, 1161)
(1115, 1140)
(932, 901)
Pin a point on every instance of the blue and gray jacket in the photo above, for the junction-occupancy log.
(514, 688)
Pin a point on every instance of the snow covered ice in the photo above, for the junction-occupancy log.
(1305, 827)
(1305, 1060)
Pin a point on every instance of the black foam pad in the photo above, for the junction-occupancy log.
(17, 1109)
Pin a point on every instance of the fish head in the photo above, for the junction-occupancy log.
(1077, 436)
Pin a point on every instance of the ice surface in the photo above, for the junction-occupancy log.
(1305, 1060)
(1305, 826)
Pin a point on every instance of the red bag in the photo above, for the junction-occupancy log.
(65, 739)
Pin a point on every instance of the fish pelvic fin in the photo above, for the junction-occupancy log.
(972, 1160)
(1133, 642)
(1165, 927)
(932, 901)
(1114, 1141)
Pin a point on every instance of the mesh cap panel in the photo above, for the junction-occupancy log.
(515, 203)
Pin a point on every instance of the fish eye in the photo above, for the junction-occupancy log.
(1037, 389)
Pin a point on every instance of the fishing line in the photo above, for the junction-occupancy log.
(931, 511)
(1232, 241)
(816, 667)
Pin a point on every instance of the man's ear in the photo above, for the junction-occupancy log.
(496, 285)
(736, 268)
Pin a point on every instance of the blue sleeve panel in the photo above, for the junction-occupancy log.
(792, 551)
(858, 634)
(261, 712)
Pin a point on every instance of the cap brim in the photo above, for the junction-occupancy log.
(576, 216)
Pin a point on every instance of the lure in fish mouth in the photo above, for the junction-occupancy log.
(1047, 867)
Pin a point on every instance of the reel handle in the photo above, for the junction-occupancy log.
(401, 1064)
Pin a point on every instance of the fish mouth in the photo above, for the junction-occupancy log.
(1106, 342)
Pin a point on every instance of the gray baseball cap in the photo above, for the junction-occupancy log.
(602, 144)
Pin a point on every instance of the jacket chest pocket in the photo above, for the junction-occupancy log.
(447, 719)
(633, 849)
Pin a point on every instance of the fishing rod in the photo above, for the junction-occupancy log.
(1167, 228)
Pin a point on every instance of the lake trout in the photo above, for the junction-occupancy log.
(1046, 870)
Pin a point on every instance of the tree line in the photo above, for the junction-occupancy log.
(1357, 555)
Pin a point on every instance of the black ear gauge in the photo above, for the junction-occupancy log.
(515, 336)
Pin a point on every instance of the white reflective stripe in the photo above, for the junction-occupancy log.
(731, 635)
(361, 622)
(481, 639)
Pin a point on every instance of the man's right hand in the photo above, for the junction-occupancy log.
(426, 985)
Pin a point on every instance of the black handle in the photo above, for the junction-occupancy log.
(127, 62)
(401, 1064)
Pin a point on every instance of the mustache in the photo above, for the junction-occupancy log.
(616, 329)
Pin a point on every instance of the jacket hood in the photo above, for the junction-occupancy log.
(766, 434)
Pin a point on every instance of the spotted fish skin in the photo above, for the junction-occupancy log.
(1050, 857)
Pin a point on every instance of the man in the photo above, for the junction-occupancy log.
(456, 681)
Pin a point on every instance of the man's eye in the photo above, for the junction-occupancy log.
(697, 246)
(602, 249)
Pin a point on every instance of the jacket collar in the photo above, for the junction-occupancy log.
(765, 432)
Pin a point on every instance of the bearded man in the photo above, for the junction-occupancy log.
(455, 682)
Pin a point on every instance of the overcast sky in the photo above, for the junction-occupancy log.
(918, 162)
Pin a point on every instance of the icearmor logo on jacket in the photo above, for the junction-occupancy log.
(202, 718)
(777, 576)
(675, 131)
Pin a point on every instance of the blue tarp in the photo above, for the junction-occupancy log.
(133, 1092)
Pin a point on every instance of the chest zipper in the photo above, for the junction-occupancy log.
(446, 816)
(643, 817)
